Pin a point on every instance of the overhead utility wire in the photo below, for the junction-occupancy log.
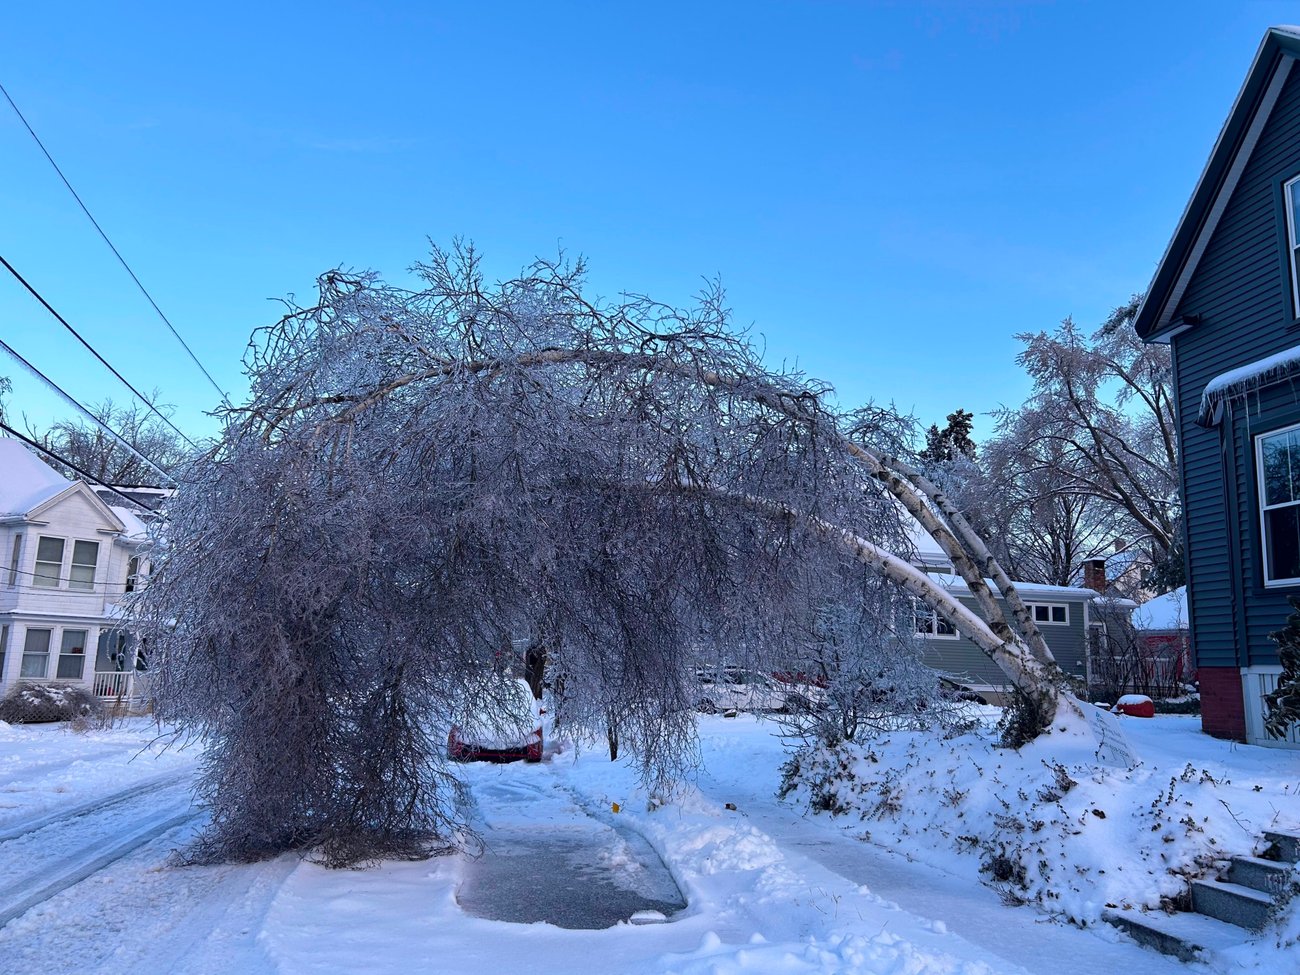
(67, 463)
(91, 416)
(64, 322)
(122, 260)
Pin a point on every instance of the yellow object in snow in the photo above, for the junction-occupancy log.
(614, 806)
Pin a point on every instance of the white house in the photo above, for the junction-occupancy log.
(66, 559)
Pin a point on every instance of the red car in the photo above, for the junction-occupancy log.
(512, 738)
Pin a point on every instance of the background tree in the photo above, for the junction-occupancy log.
(103, 455)
(952, 442)
(1094, 447)
(1041, 530)
(421, 477)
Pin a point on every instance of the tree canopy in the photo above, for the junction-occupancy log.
(423, 477)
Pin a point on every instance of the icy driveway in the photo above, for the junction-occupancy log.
(548, 860)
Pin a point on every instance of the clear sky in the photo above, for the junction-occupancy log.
(889, 191)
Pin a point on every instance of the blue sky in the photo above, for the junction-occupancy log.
(888, 191)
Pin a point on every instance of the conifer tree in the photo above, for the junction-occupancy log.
(1282, 706)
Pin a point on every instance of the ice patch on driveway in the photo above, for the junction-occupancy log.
(572, 877)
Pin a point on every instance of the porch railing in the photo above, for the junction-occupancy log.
(112, 684)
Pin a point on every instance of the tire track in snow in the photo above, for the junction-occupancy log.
(36, 770)
(45, 820)
(42, 884)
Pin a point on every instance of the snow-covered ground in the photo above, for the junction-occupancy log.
(769, 887)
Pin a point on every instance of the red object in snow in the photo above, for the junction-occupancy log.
(1136, 706)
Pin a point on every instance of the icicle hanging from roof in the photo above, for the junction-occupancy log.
(1235, 384)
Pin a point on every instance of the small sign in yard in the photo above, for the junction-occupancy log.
(1113, 748)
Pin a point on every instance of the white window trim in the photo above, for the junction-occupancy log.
(1264, 509)
(919, 607)
(1048, 622)
(1289, 188)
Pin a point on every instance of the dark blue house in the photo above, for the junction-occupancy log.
(1226, 297)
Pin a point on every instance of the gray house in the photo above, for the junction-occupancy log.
(1063, 614)
(1226, 297)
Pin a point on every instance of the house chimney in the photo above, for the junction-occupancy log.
(1094, 574)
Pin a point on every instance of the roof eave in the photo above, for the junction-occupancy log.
(1153, 321)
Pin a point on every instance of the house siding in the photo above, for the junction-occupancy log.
(963, 660)
(1241, 294)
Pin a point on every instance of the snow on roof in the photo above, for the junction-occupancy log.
(1123, 560)
(25, 480)
(1236, 383)
(1167, 612)
(136, 530)
(1029, 589)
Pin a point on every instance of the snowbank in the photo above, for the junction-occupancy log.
(1050, 824)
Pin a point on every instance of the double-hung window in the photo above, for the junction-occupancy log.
(1291, 191)
(72, 654)
(36, 654)
(49, 562)
(14, 558)
(1277, 464)
(81, 574)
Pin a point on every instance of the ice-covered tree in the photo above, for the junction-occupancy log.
(423, 476)
(121, 445)
(1100, 422)
(1040, 527)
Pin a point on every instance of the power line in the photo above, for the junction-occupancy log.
(121, 260)
(104, 588)
(64, 322)
(91, 416)
(66, 463)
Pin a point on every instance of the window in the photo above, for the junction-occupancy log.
(81, 575)
(49, 562)
(72, 655)
(36, 654)
(1277, 464)
(4, 645)
(13, 562)
(134, 577)
(1292, 193)
(1050, 613)
(930, 624)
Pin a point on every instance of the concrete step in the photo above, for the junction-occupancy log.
(1188, 937)
(1268, 876)
(1286, 844)
(1243, 906)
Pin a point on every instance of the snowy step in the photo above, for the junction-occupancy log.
(1242, 906)
(1268, 876)
(1188, 937)
(1285, 844)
